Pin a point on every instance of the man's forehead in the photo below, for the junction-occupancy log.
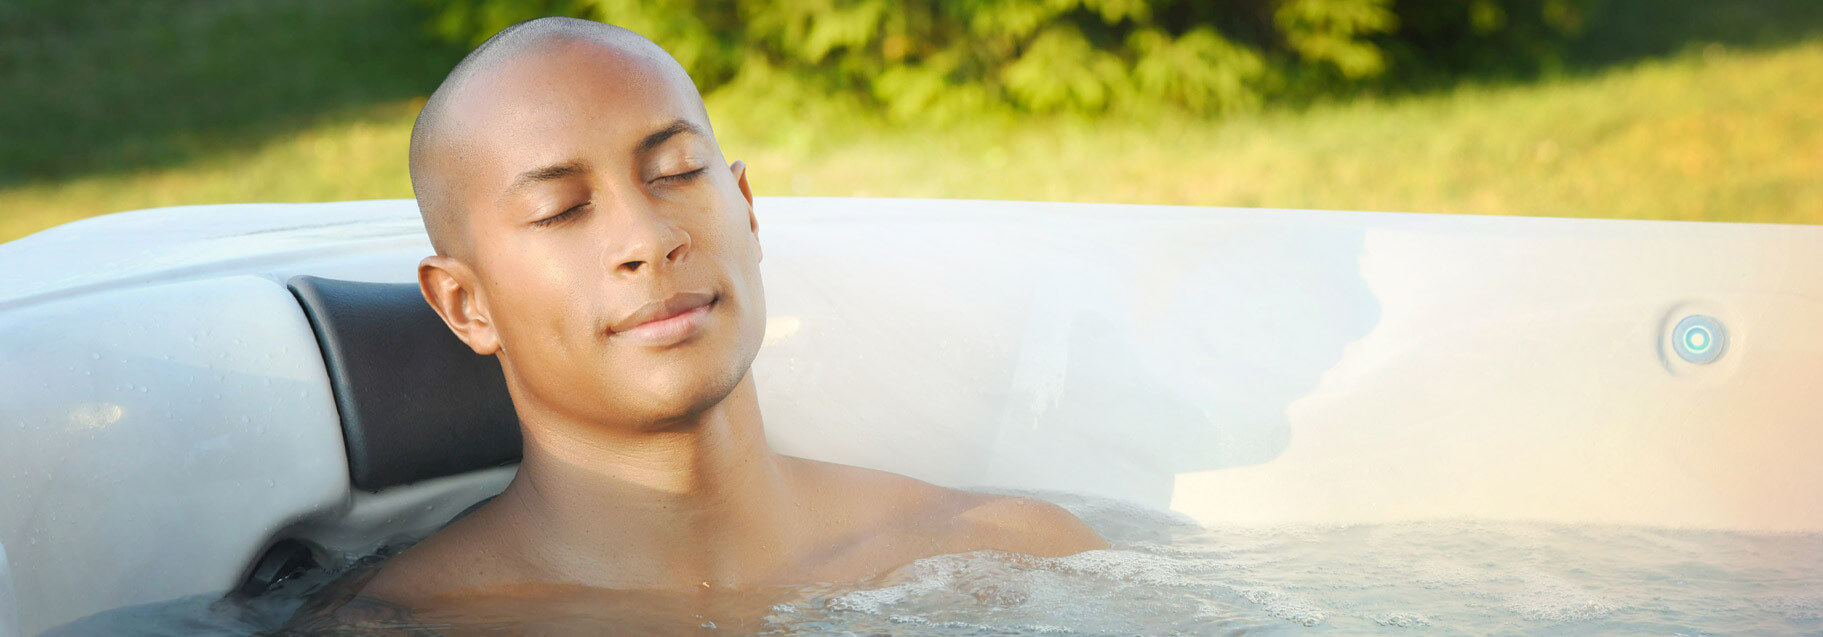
(551, 91)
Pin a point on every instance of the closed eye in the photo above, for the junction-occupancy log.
(681, 177)
(559, 217)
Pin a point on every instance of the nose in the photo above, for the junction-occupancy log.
(648, 237)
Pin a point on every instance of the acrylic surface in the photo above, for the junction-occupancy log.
(165, 416)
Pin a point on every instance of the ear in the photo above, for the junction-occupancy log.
(449, 286)
(739, 169)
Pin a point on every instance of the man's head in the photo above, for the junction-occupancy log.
(569, 178)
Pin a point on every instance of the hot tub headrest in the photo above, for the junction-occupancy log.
(416, 403)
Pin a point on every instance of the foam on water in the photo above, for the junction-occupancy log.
(1164, 575)
(1548, 598)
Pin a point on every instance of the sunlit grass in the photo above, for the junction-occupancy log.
(1715, 135)
(1719, 137)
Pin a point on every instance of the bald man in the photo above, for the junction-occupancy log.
(590, 234)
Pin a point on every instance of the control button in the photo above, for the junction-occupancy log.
(1699, 339)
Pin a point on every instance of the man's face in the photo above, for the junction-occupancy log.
(594, 189)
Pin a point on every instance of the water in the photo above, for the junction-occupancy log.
(1167, 576)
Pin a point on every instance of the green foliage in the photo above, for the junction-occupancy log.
(948, 59)
(1329, 31)
(1200, 70)
(1442, 39)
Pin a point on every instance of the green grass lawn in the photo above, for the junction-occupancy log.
(1718, 136)
(1715, 134)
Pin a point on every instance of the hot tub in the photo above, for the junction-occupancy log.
(167, 416)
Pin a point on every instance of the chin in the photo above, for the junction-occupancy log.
(667, 400)
(692, 384)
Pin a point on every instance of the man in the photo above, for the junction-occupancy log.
(590, 234)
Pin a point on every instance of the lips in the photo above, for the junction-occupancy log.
(666, 322)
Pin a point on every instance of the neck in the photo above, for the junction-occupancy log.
(700, 502)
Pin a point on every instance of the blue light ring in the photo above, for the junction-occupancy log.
(1699, 339)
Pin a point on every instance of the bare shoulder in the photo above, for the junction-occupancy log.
(888, 509)
(410, 578)
(465, 556)
(858, 479)
(871, 497)
(1027, 525)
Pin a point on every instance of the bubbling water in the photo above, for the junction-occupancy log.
(1165, 575)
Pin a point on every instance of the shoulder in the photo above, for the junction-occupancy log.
(462, 557)
(404, 580)
(853, 479)
(1027, 525)
(912, 514)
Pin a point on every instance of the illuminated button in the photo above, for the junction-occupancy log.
(1699, 339)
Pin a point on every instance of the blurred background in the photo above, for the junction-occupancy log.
(1655, 109)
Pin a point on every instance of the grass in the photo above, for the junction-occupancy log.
(1713, 133)
(1713, 136)
(114, 86)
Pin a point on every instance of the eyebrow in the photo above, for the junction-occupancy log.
(676, 126)
(543, 174)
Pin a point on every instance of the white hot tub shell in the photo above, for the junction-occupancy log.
(165, 413)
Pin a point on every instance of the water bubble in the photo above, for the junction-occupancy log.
(142, 389)
(270, 483)
(709, 625)
(94, 356)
